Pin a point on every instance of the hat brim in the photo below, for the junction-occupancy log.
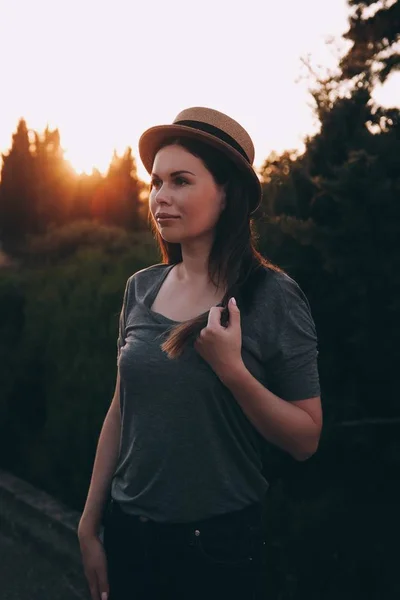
(151, 140)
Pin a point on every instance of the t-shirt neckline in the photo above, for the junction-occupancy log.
(152, 296)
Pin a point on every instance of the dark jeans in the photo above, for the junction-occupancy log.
(221, 558)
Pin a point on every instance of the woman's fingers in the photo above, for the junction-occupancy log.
(93, 587)
(95, 567)
(214, 317)
(98, 584)
(102, 582)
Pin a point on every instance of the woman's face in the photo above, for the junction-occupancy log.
(181, 186)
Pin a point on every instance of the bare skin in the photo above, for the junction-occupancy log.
(180, 300)
(197, 202)
(92, 551)
(186, 292)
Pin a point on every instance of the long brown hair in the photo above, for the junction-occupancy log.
(233, 257)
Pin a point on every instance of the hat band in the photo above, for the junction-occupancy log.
(224, 137)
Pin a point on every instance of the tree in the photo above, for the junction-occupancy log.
(117, 201)
(55, 180)
(18, 201)
(374, 34)
(335, 214)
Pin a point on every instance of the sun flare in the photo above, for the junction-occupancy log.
(85, 160)
(90, 70)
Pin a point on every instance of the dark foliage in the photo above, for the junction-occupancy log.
(331, 219)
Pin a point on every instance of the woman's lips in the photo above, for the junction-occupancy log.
(166, 218)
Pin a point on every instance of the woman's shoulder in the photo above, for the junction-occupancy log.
(147, 276)
(281, 310)
(149, 272)
(281, 285)
(277, 293)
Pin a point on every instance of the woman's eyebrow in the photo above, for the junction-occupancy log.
(175, 173)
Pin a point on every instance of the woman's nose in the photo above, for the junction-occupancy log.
(162, 195)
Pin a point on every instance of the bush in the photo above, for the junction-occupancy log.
(59, 330)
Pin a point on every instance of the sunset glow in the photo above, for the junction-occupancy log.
(102, 72)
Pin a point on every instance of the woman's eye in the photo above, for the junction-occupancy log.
(179, 181)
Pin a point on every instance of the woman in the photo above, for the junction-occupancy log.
(217, 353)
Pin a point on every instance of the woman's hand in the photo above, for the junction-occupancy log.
(221, 346)
(95, 565)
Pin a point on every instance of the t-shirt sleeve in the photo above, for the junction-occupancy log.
(294, 366)
(122, 321)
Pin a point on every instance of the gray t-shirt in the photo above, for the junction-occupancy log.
(187, 449)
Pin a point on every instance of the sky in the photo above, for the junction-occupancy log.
(103, 71)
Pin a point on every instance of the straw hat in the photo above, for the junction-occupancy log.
(213, 127)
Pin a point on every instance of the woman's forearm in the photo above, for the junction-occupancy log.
(103, 470)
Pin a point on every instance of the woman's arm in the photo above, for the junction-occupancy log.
(293, 426)
(103, 469)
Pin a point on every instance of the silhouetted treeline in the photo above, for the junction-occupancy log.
(331, 218)
(39, 189)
